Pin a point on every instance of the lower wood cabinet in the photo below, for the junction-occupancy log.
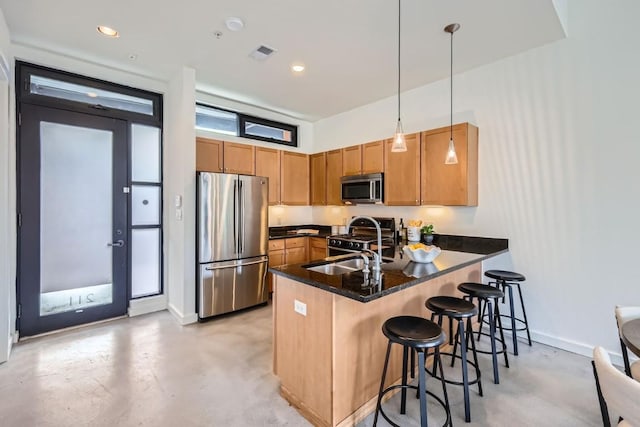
(317, 248)
(286, 251)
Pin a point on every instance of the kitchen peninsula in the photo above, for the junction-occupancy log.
(328, 345)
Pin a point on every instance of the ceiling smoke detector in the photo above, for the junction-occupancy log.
(262, 53)
(234, 24)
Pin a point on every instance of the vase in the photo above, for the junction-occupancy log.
(427, 239)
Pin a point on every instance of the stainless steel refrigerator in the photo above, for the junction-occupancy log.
(233, 233)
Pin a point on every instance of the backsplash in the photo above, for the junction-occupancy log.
(289, 215)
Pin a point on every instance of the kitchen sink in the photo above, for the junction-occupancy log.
(336, 268)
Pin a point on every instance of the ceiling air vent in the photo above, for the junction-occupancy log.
(262, 53)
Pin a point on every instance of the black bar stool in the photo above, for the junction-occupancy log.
(418, 334)
(485, 294)
(458, 309)
(505, 280)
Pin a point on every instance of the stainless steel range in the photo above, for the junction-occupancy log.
(363, 236)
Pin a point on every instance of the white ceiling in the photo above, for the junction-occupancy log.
(348, 46)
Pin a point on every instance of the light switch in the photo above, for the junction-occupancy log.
(178, 201)
(179, 214)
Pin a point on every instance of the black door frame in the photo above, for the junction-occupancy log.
(31, 322)
(24, 98)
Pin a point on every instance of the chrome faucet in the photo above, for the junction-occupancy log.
(377, 257)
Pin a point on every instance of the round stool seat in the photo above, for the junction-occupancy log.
(480, 290)
(413, 332)
(451, 307)
(508, 276)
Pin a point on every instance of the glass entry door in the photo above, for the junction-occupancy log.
(73, 247)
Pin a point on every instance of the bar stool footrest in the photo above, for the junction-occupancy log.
(506, 316)
(497, 339)
(457, 356)
(414, 387)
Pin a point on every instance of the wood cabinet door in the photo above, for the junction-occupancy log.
(276, 258)
(239, 158)
(268, 164)
(317, 248)
(209, 155)
(334, 172)
(352, 160)
(318, 181)
(450, 185)
(402, 173)
(296, 255)
(373, 157)
(294, 179)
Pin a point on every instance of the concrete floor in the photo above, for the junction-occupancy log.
(149, 371)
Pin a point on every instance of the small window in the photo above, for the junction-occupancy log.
(216, 120)
(267, 130)
(44, 86)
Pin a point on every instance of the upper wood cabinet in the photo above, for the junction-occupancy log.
(268, 164)
(352, 160)
(318, 181)
(373, 157)
(451, 185)
(221, 156)
(294, 178)
(402, 173)
(209, 155)
(334, 172)
(239, 158)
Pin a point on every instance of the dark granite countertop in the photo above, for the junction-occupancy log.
(292, 231)
(398, 274)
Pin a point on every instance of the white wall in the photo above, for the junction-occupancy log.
(7, 197)
(180, 180)
(559, 149)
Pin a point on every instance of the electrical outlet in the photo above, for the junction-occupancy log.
(300, 307)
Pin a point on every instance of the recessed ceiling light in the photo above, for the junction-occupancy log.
(234, 24)
(107, 31)
(92, 94)
(297, 68)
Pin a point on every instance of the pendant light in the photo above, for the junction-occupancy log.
(452, 158)
(399, 145)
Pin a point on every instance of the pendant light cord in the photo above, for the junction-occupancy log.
(398, 60)
(451, 90)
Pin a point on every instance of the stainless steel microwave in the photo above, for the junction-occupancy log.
(363, 188)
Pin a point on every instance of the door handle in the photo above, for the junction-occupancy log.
(116, 244)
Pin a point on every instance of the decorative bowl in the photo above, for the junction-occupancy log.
(421, 253)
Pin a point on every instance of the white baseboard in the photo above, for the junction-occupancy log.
(141, 306)
(570, 345)
(5, 357)
(182, 319)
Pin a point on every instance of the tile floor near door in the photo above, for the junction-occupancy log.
(149, 371)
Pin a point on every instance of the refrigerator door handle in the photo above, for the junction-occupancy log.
(241, 219)
(236, 232)
(220, 267)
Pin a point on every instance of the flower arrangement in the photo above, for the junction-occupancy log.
(427, 229)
